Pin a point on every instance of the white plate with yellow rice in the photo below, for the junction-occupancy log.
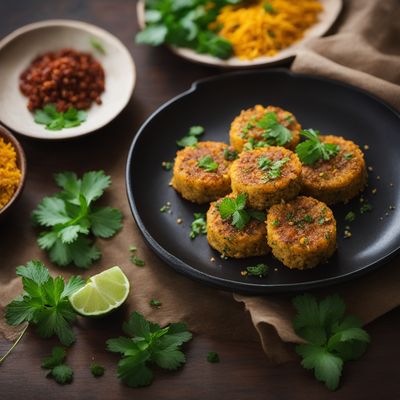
(260, 38)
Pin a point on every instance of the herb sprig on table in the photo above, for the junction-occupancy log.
(185, 24)
(147, 343)
(312, 149)
(44, 302)
(58, 370)
(55, 121)
(332, 338)
(234, 209)
(73, 219)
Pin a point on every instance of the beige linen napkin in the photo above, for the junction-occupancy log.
(363, 51)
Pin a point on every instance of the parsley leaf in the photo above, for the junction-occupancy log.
(97, 370)
(208, 164)
(191, 138)
(62, 374)
(260, 270)
(97, 45)
(44, 303)
(274, 132)
(56, 121)
(148, 344)
(312, 149)
(273, 168)
(57, 357)
(230, 154)
(199, 225)
(331, 337)
(234, 209)
(72, 217)
(213, 357)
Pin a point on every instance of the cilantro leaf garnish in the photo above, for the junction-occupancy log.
(332, 338)
(208, 164)
(350, 216)
(44, 302)
(57, 357)
(312, 149)
(213, 357)
(234, 209)
(62, 374)
(274, 132)
(72, 217)
(259, 270)
(97, 370)
(252, 144)
(273, 168)
(147, 343)
(366, 207)
(230, 154)
(155, 303)
(56, 121)
(97, 45)
(199, 225)
(191, 138)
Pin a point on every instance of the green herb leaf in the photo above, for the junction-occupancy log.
(312, 150)
(62, 374)
(155, 303)
(331, 337)
(199, 225)
(274, 132)
(97, 370)
(153, 35)
(213, 357)
(148, 343)
(230, 154)
(58, 355)
(234, 209)
(45, 304)
(208, 164)
(273, 168)
(350, 216)
(71, 216)
(56, 121)
(366, 207)
(260, 270)
(97, 45)
(196, 130)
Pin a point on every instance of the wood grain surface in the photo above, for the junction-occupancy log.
(244, 372)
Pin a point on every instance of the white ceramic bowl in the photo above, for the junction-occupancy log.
(331, 10)
(19, 48)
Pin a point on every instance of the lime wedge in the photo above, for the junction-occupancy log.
(102, 293)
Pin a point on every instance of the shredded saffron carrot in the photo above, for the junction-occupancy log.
(262, 28)
(10, 175)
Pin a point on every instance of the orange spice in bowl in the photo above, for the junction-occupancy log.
(10, 174)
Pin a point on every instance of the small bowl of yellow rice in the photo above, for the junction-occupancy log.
(12, 170)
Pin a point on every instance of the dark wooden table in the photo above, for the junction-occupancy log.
(244, 372)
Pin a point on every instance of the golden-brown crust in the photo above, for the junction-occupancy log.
(195, 183)
(339, 179)
(302, 232)
(262, 192)
(232, 242)
(239, 135)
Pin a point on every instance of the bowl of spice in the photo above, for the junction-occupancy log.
(12, 170)
(61, 79)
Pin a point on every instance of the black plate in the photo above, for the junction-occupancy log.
(326, 105)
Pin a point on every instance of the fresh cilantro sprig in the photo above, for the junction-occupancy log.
(199, 225)
(61, 372)
(191, 138)
(97, 370)
(259, 270)
(213, 357)
(73, 219)
(148, 344)
(185, 24)
(312, 150)
(44, 302)
(230, 154)
(234, 209)
(273, 169)
(274, 132)
(332, 338)
(55, 121)
(208, 164)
